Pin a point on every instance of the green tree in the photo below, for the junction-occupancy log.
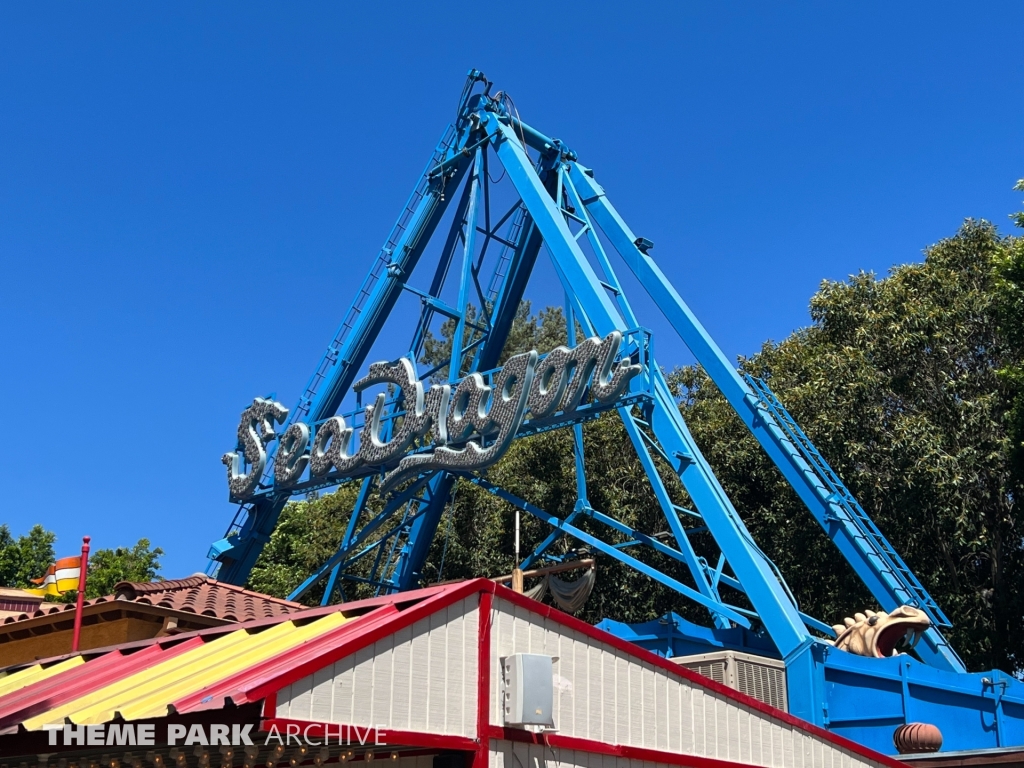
(26, 557)
(107, 567)
(897, 382)
(307, 534)
(911, 387)
(1009, 286)
(29, 556)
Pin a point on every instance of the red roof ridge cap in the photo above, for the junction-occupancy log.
(134, 590)
(251, 593)
(168, 585)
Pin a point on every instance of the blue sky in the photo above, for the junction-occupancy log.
(190, 194)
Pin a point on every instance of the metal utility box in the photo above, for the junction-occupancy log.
(758, 676)
(529, 689)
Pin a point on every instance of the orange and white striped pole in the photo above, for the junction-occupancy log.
(80, 600)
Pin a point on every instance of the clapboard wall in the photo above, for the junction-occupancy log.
(606, 695)
(422, 678)
(508, 754)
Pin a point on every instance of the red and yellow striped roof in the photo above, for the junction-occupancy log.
(188, 673)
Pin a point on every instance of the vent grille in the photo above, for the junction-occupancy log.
(712, 669)
(757, 676)
(765, 684)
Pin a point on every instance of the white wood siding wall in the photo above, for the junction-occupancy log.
(508, 754)
(606, 695)
(422, 678)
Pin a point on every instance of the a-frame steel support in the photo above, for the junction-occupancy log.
(560, 205)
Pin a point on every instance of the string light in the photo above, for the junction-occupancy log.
(394, 755)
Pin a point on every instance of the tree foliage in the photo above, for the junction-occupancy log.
(897, 382)
(30, 555)
(307, 534)
(107, 567)
(26, 557)
(910, 385)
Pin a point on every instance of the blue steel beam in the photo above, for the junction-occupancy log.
(393, 505)
(487, 354)
(425, 218)
(578, 278)
(413, 555)
(607, 549)
(883, 582)
(700, 576)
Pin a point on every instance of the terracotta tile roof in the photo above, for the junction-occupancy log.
(199, 594)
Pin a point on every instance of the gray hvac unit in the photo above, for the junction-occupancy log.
(529, 689)
(757, 676)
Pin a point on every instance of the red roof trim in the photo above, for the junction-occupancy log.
(679, 671)
(234, 687)
(441, 598)
(427, 601)
(299, 616)
(483, 688)
(81, 680)
(447, 595)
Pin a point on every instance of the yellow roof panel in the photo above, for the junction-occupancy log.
(148, 693)
(23, 677)
(153, 701)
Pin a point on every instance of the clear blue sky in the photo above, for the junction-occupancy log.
(190, 194)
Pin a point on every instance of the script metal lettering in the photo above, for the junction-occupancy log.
(471, 426)
(255, 431)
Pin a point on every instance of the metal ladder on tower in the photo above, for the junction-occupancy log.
(847, 509)
(330, 357)
(505, 255)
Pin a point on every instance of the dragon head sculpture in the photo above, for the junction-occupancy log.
(876, 634)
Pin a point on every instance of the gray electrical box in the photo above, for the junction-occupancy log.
(529, 689)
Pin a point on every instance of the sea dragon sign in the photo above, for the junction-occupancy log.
(472, 424)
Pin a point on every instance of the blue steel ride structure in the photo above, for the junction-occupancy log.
(555, 204)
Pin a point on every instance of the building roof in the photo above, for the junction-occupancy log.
(14, 602)
(422, 639)
(199, 595)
